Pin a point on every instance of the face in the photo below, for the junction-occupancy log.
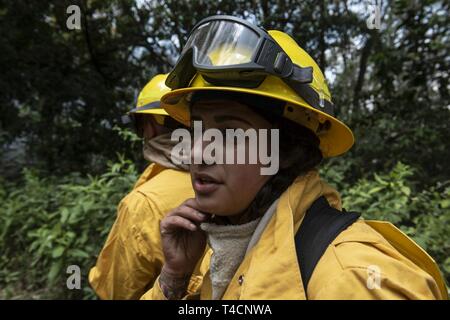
(150, 128)
(226, 189)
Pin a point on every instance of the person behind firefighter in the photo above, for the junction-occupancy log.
(132, 257)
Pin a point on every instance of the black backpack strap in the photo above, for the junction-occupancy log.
(321, 225)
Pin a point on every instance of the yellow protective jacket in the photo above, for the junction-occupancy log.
(271, 270)
(132, 258)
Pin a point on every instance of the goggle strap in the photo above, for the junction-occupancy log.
(311, 97)
(302, 75)
(183, 72)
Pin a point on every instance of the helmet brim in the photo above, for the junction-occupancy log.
(335, 141)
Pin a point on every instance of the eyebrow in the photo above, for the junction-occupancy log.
(223, 118)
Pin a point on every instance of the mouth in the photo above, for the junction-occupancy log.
(204, 184)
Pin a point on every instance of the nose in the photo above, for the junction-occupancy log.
(197, 150)
(205, 152)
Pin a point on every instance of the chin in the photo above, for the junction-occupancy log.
(207, 204)
(211, 205)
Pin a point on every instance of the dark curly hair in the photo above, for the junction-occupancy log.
(299, 153)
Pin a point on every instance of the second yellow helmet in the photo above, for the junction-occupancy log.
(148, 101)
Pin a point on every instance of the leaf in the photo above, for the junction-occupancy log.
(64, 215)
(77, 253)
(54, 271)
(379, 180)
(375, 190)
(405, 190)
(445, 203)
(57, 252)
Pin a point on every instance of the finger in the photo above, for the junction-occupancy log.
(174, 223)
(188, 213)
(192, 203)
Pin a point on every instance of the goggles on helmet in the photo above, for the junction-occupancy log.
(229, 51)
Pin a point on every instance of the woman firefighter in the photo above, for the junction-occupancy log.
(281, 236)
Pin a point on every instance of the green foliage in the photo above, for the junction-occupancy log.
(431, 211)
(63, 90)
(47, 224)
(422, 214)
(384, 197)
(127, 135)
